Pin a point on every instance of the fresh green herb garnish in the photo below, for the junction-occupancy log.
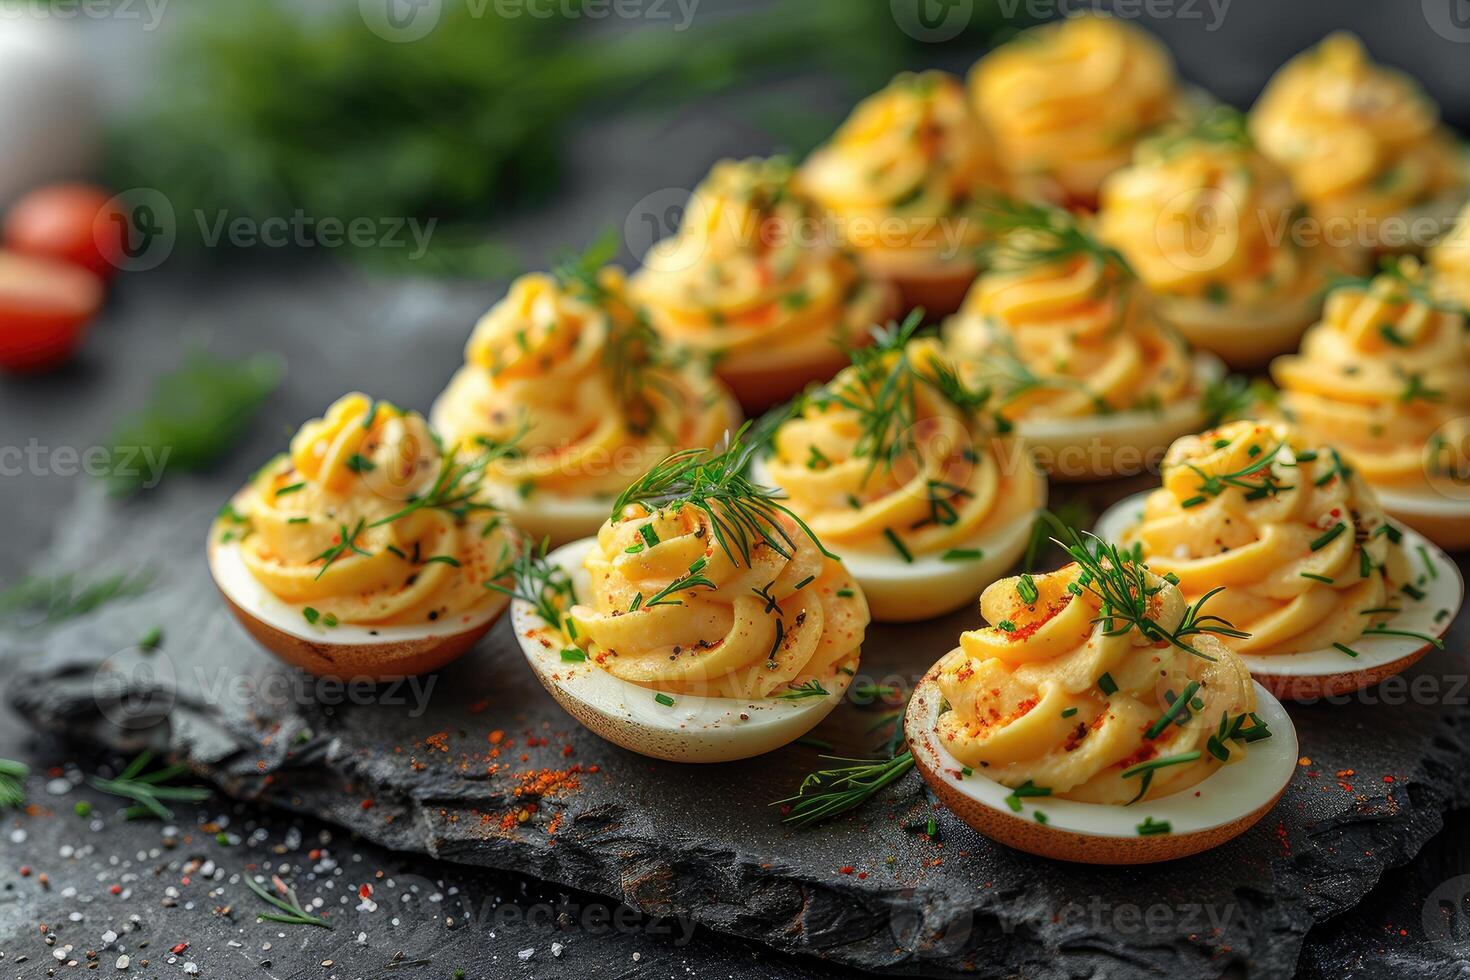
(537, 580)
(811, 689)
(149, 790)
(42, 601)
(12, 783)
(292, 913)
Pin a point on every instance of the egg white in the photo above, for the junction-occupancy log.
(1245, 337)
(1204, 815)
(1314, 673)
(904, 592)
(1140, 436)
(1445, 520)
(692, 729)
(234, 580)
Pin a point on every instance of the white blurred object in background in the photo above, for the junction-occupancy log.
(49, 116)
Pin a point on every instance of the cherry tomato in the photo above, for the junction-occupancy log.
(45, 306)
(75, 223)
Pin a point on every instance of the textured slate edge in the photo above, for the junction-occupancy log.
(733, 893)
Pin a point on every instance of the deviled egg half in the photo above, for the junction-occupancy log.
(1067, 102)
(1199, 215)
(703, 623)
(900, 468)
(756, 281)
(1363, 144)
(1326, 593)
(1385, 379)
(365, 551)
(1096, 719)
(568, 375)
(899, 179)
(1068, 342)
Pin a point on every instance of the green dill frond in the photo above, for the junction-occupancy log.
(1026, 235)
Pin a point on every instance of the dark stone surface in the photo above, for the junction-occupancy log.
(866, 891)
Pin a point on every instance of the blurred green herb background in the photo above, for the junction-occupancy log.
(263, 109)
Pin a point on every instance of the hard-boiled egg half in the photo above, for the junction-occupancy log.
(899, 467)
(703, 623)
(1327, 593)
(569, 376)
(1385, 378)
(898, 179)
(364, 552)
(1091, 722)
(755, 280)
(1200, 215)
(1068, 341)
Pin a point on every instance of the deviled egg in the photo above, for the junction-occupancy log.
(703, 623)
(1097, 719)
(364, 552)
(1327, 594)
(1068, 341)
(1385, 379)
(1067, 102)
(568, 374)
(900, 468)
(1200, 215)
(1364, 146)
(756, 280)
(899, 179)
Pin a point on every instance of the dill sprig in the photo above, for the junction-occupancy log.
(1221, 125)
(458, 486)
(346, 541)
(827, 793)
(1026, 235)
(543, 583)
(811, 689)
(1212, 485)
(47, 600)
(1234, 397)
(149, 790)
(882, 391)
(741, 513)
(292, 913)
(12, 783)
(1120, 581)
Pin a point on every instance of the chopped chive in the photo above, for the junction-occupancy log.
(329, 620)
(311, 615)
(1151, 827)
(1192, 501)
(299, 520)
(633, 549)
(805, 582)
(664, 699)
(898, 545)
(845, 593)
(153, 639)
(573, 655)
(1040, 817)
(931, 829)
(637, 601)
(1305, 456)
(1107, 685)
(963, 554)
(1026, 589)
(1158, 727)
(1412, 592)
(396, 551)
(1346, 649)
(1329, 536)
(1006, 626)
(1433, 641)
(1318, 578)
(290, 489)
(1068, 712)
(443, 560)
(1390, 334)
(648, 534)
(359, 463)
(1025, 790)
(1428, 565)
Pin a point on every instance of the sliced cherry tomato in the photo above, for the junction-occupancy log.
(76, 223)
(45, 306)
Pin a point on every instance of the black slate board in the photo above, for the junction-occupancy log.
(866, 890)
